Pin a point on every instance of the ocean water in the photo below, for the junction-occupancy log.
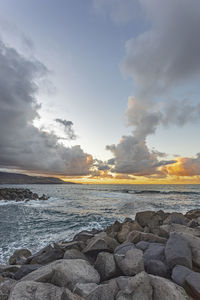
(72, 208)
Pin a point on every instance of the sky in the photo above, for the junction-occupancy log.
(101, 91)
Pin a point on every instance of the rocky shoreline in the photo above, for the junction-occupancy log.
(16, 194)
(154, 257)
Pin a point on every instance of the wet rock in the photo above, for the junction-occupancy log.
(25, 290)
(9, 268)
(193, 214)
(45, 256)
(166, 289)
(131, 262)
(74, 254)
(64, 245)
(177, 251)
(83, 236)
(103, 292)
(193, 223)
(137, 288)
(192, 284)
(18, 194)
(106, 266)
(25, 270)
(19, 257)
(179, 274)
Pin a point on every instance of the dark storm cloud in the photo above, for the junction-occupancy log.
(22, 145)
(67, 125)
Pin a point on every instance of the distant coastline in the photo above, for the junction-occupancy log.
(15, 178)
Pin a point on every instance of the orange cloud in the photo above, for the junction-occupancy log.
(183, 167)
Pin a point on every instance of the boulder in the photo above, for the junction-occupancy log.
(144, 217)
(5, 287)
(193, 214)
(45, 256)
(176, 218)
(177, 251)
(9, 268)
(74, 254)
(83, 236)
(100, 243)
(105, 265)
(155, 251)
(26, 290)
(25, 270)
(164, 289)
(130, 263)
(179, 273)
(103, 292)
(193, 223)
(19, 257)
(123, 248)
(142, 245)
(194, 243)
(84, 289)
(136, 236)
(114, 228)
(72, 271)
(64, 245)
(192, 284)
(137, 288)
(156, 267)
(126, 228)
(181, 228)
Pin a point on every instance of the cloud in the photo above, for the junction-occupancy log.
(132, 156)
(120, 11)
(184, 167)
(69, 131)
(160, 60)
(22, 145)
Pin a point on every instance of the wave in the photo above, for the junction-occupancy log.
(157, 192)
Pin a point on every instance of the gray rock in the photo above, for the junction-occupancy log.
(74, 254)
(144, 217)
(100, 242)
(137, 288)
(194, 243)
(45, 256)
(72, 271)
(164, 289)
(123, 248)
(142, 245)
(192, 284)
(105, 265)
(179, 273)
(180, 229)
(106, 291)
(156, 267)
(9, 268)
(126, 228)
(177, 251)
(176, 218)
(193, 223)
(193, 214)
(83, 236)
(65, 272)
(64, 245)
(155, 251)
(27, 290)
(24, 270)
(5, 287)
(131, 263)
(19, 257)
(84, 289)
(136, 236)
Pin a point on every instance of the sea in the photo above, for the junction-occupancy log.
(75, 207)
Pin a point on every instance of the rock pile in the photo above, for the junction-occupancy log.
(19, 195)
(154, 257)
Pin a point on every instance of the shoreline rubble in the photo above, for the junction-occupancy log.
(154, 257)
